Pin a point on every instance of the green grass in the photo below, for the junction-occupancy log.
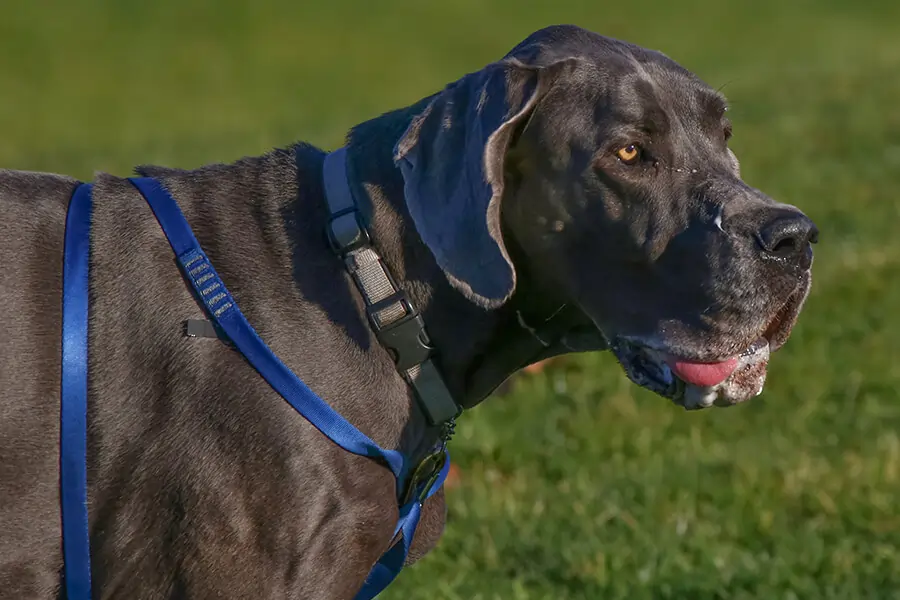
(578, 485)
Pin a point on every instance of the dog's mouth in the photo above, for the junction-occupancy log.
(701, 384)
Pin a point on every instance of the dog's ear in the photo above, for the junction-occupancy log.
(452, 160)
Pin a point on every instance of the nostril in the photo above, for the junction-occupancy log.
(785, 247)
(787, 236)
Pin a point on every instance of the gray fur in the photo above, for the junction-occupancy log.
(203, 482)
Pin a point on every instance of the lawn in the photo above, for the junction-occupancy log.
(576, 484)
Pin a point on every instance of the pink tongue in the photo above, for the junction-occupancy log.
(702, 374)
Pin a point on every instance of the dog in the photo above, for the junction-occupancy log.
(577, 195)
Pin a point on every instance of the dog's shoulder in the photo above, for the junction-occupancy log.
(30, 198)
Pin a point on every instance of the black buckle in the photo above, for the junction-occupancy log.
(424, 476)
(405, 337)
(346, 232)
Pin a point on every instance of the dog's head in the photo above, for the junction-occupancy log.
(608, 166)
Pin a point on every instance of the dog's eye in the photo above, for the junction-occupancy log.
(629, 154)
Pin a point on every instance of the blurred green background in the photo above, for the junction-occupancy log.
(576, 484)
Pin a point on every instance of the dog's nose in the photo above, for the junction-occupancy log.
(787, 238)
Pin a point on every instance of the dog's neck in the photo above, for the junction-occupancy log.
(477, 349)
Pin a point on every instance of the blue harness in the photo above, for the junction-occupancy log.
(223, 311)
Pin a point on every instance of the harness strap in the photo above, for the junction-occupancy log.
(224, 312)
(73, 398)
(390, 565)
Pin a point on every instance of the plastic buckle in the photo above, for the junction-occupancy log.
(346, 232)
(405, 337)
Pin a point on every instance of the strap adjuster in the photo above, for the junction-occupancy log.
(346, 232)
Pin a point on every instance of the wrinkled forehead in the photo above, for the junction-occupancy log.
(650, 94)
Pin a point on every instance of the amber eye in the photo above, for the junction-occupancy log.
(629, 154)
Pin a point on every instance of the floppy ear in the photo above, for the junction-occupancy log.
(452, 157)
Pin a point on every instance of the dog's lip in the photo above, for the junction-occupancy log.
(667, 354)
(775, 334)
(779, 328)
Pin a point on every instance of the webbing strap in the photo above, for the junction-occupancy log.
(223, 310)
(349, 238)
(73, 398)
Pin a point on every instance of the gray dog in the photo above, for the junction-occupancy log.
(577, 195)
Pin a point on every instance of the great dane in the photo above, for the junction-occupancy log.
(579, 194)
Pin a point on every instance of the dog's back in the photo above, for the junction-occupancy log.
(32, 225)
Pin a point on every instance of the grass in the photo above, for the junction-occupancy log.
(577, 485)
